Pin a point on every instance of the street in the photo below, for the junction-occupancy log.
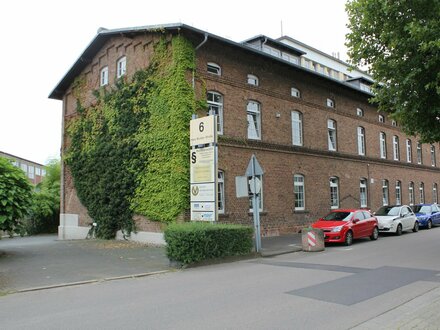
(369, 285)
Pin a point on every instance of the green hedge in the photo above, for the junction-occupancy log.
(196, 241)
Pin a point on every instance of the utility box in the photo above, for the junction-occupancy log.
(312, 240)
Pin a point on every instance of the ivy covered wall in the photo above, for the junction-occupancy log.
(128, 152)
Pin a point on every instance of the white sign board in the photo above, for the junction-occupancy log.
(203, 192)
(203, 130)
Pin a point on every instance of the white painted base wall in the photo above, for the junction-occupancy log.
(69, 229)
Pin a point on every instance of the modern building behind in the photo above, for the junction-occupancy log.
(34, 171)
(304, 114)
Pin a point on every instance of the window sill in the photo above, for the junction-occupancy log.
(301, 212)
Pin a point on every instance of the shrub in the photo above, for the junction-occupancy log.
(194, 242)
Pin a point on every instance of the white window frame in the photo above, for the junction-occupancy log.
(381, 118)
(383, 145)
(419, 153)
(330, 103)
(214, 68)
(299, 192)
(332, 135)
(394, 123)
(359, 112)
(297, 128)
(38, 171)
(104, 76)
(434, 193)
(221, 191)
(396, 153)
(24, 167)
(363, 193)
(361, 140)
(216, 107)
(295, 92)
(433, 160)
(253, 80)
(31, 173)
(253, 114)
(334, 192)
(422, 193)
(411, 193)
(398, 192)
(408, 151)
(121, 67)
(385, 192)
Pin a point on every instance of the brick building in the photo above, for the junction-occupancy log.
(34, 171)
(304, 115)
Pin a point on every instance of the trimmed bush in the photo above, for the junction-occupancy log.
(197, 241)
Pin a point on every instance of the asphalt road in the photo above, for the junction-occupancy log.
(340, 288)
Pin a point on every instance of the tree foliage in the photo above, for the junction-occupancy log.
(15, 196)
(399, 41)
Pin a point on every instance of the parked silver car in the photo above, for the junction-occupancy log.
(396, 219)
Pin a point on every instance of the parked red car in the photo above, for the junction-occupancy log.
(342, 226)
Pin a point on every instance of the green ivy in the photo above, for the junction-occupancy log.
(129, 152)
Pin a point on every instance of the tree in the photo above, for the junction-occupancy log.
(45, 209)
(15, 196)
(399, 41)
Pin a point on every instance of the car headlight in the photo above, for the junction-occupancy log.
(336, 229)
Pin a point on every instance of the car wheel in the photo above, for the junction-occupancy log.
(399, 230)
(416, 227)
(375, 234)
(429, 225)
(348, 238)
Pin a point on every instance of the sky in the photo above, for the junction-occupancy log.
(42, 39)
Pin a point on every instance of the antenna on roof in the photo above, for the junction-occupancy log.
(281, 28)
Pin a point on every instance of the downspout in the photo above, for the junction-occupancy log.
(200, 45)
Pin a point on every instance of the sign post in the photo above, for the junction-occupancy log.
(253, 171)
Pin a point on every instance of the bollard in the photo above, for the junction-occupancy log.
(312, 240)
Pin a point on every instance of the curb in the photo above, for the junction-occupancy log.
(107, 279)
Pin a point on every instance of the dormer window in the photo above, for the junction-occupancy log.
(252, 80)
(104, 76)
(330, 103)
(359, 112)
(121, 67)
(295, 92)
(381, 119)
(394, 123)
(214, 68)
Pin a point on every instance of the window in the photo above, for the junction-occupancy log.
(419, 153)
(411, 193)
(298, 188)
(104, 76)
(214, 68)
(396, 154)
(295, 92)
(432, 155)
(398, 193)
(434, 193)
(37, 171)
(331, 125)
(215, 106)
(383, 145)
(361, 141)
(365, 88)
(381, 119)
(359, 112)
(330, 103)
(121, 67)
(24, 167)
(252, 80)
(43, 172)
(259, 180)
(385, 192)
(394, 123)
(297, 135)
(221, 191)
(422, 193)
(408, 151)
(31, 173)
(254, 120)
(290, 58)
(271, 51)
(334, 192)
(363, 192)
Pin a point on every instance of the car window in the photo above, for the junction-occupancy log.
(367, 214)
(422, 209)
(359, 215)
(388, 210)
(405, 211)
(435, 208)
(338, 216)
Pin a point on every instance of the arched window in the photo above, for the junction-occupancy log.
(434, 193)
(330, 103)
(383, 145)
(298, 189)
(295, 92)
(411, 193)
(359, 112)
(252, 80)
(121, 67)
(331, 127)
(254, 120)
(398, 193)
(214, 68)
(381, 119)
(221, 191)
(422, 193)
(419, 153)
(104, 76)
(396, 153)
(433, 162)
(215, 106)
(385, 192)
(334, 192)
(363, 197)
(408, 151)
(361, 140)
(297, 127)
